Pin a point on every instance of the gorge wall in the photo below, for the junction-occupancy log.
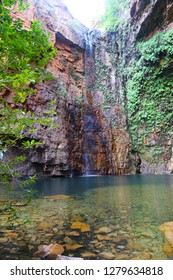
(89, 95)
(152, 21)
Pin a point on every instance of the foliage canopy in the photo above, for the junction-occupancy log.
(24, 54)
(114, 14)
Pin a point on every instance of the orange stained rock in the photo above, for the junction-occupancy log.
(56, 249)
(73, 247)
(52, 249)
(81, 226)
(11, 235)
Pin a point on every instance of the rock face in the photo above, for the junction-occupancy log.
(151, 16)
(88, 93)
(106, 142)
(148, 18)
(91, 136)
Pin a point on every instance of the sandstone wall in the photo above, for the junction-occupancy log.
(89, 93)
(91, 136)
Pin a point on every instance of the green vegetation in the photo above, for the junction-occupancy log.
(150, 92)
(115, 14)
(24, 55)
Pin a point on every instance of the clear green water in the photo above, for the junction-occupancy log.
(124, 214)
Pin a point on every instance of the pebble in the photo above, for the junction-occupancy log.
(45, 225)
(11, 235)
(104, 230)
(107, 256)
(3, 240)
(68, 240)
(122, 257)
(73, 233)
(120, 247)
(55, 230)
(88, 255)
(73, 247)
(103, 237)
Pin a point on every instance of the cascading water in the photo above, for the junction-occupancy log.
(94, 140)
(89, 47)
(88, 119)
(89, 61)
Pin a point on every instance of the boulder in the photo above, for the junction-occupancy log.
(167, 229)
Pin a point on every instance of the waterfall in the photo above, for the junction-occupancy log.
(89, 46)
(86, 164)
(88, 120)
(91, 126)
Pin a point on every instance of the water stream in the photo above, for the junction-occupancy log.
(88, 118)
(89, 47)
(121, 216)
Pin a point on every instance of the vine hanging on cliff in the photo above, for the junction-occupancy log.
(150, 90)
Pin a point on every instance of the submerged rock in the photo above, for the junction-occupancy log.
(77, 218)
(45, 225)
(52, 250)
(3, 240)
(59, 196)
(89, 255)
(107, 256)
(73, 233)
(167, 229)
(12, 235)
(73, 247)
(19, 204)
(103, 237)
(62, 257)
(104, 230)
(81, 226)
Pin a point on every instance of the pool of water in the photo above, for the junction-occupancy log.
(97, 217)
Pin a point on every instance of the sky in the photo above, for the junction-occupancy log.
(85, 10)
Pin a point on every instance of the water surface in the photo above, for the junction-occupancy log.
(123, 214)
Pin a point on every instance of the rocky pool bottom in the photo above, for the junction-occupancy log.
(104, 217)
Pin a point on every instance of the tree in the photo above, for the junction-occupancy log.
(24, 55)
(114, 13)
